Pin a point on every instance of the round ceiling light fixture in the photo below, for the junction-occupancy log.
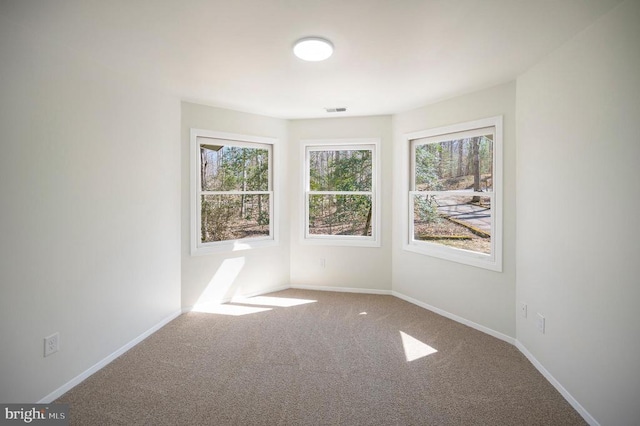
(313, 49)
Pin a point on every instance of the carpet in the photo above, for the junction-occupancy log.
(300, 357)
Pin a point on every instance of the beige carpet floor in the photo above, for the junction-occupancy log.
(299, 357)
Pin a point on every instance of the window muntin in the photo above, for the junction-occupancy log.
(233, 198)
(454, 193)
(340, 199)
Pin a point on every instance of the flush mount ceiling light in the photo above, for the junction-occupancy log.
(313, 49)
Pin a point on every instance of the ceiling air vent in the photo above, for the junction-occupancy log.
(341, 109)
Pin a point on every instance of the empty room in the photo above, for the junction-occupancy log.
(298, 212)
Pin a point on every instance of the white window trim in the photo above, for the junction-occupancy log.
(342, 240)
(199, 248)
(494, 260)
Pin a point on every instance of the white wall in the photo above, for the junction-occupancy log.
(345, 267)
(477, 295)
(215, 277)
(89, 234)
(578, 229)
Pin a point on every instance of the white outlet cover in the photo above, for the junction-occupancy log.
(540, 323)
(51, 344)
(523, 310)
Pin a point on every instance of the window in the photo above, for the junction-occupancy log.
(341, 205)
(454, 196)
(232, 191)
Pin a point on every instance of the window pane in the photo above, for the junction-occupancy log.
(340, 170)
(456, 221)
(234, 217)
(232, 168)
(340, 215)
(460, 164)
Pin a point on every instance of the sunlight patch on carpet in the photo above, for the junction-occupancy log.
(414, 348)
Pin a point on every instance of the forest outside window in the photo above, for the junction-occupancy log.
(341, 196)
(233, 198)
(454, 201)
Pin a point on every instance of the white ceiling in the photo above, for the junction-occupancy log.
(389, 55)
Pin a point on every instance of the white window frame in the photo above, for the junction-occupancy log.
(336, 145)
(491, 261)
(232, 139)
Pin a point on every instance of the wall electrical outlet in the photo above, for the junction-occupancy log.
(540, 323)
(323, 262)
(51, 344)
(523, 310)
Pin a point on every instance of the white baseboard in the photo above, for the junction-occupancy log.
(342, 289)
(556, 384)
(456, 318)
(101, 364)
